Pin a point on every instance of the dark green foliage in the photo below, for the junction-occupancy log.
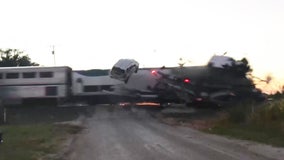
(278, 95)
(271, 116)
(267, 136)
(258, 122)
(238, 114)
(14, 57)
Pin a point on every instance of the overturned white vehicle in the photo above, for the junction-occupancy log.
(123, 69)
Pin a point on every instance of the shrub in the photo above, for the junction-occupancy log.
(270, 115)
(240, 113)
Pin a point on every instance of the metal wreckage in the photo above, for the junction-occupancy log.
(222, 81)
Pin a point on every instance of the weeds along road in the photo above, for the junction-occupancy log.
(115, 133)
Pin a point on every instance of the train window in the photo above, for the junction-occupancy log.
(12, 75)
(51, 91)
(1, 75)
(117, 70)
(106, 87)
(91, 88)
(29, 74)
(46, 74)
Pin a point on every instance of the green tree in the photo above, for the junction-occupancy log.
(15, 57)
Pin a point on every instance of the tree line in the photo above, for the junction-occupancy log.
(15, 57)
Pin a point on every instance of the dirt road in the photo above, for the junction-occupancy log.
(118, 134)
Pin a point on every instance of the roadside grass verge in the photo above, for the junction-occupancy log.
(33, 141)
(262, 123)
(248, 132)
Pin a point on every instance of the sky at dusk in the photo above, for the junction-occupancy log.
(90, 34)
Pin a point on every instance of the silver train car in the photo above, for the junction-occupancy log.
(30, 84)
(62, 85)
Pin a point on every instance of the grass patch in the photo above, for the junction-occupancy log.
(250, 132)
(249, 121)
(30, 142)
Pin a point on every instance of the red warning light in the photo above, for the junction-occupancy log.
(154, 72)
(186, 80)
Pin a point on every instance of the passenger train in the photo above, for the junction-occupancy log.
(58, 85)
(31, 84)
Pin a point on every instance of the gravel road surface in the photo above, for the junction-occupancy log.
(113, 133)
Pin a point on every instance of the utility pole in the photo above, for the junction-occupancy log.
(53, 52)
